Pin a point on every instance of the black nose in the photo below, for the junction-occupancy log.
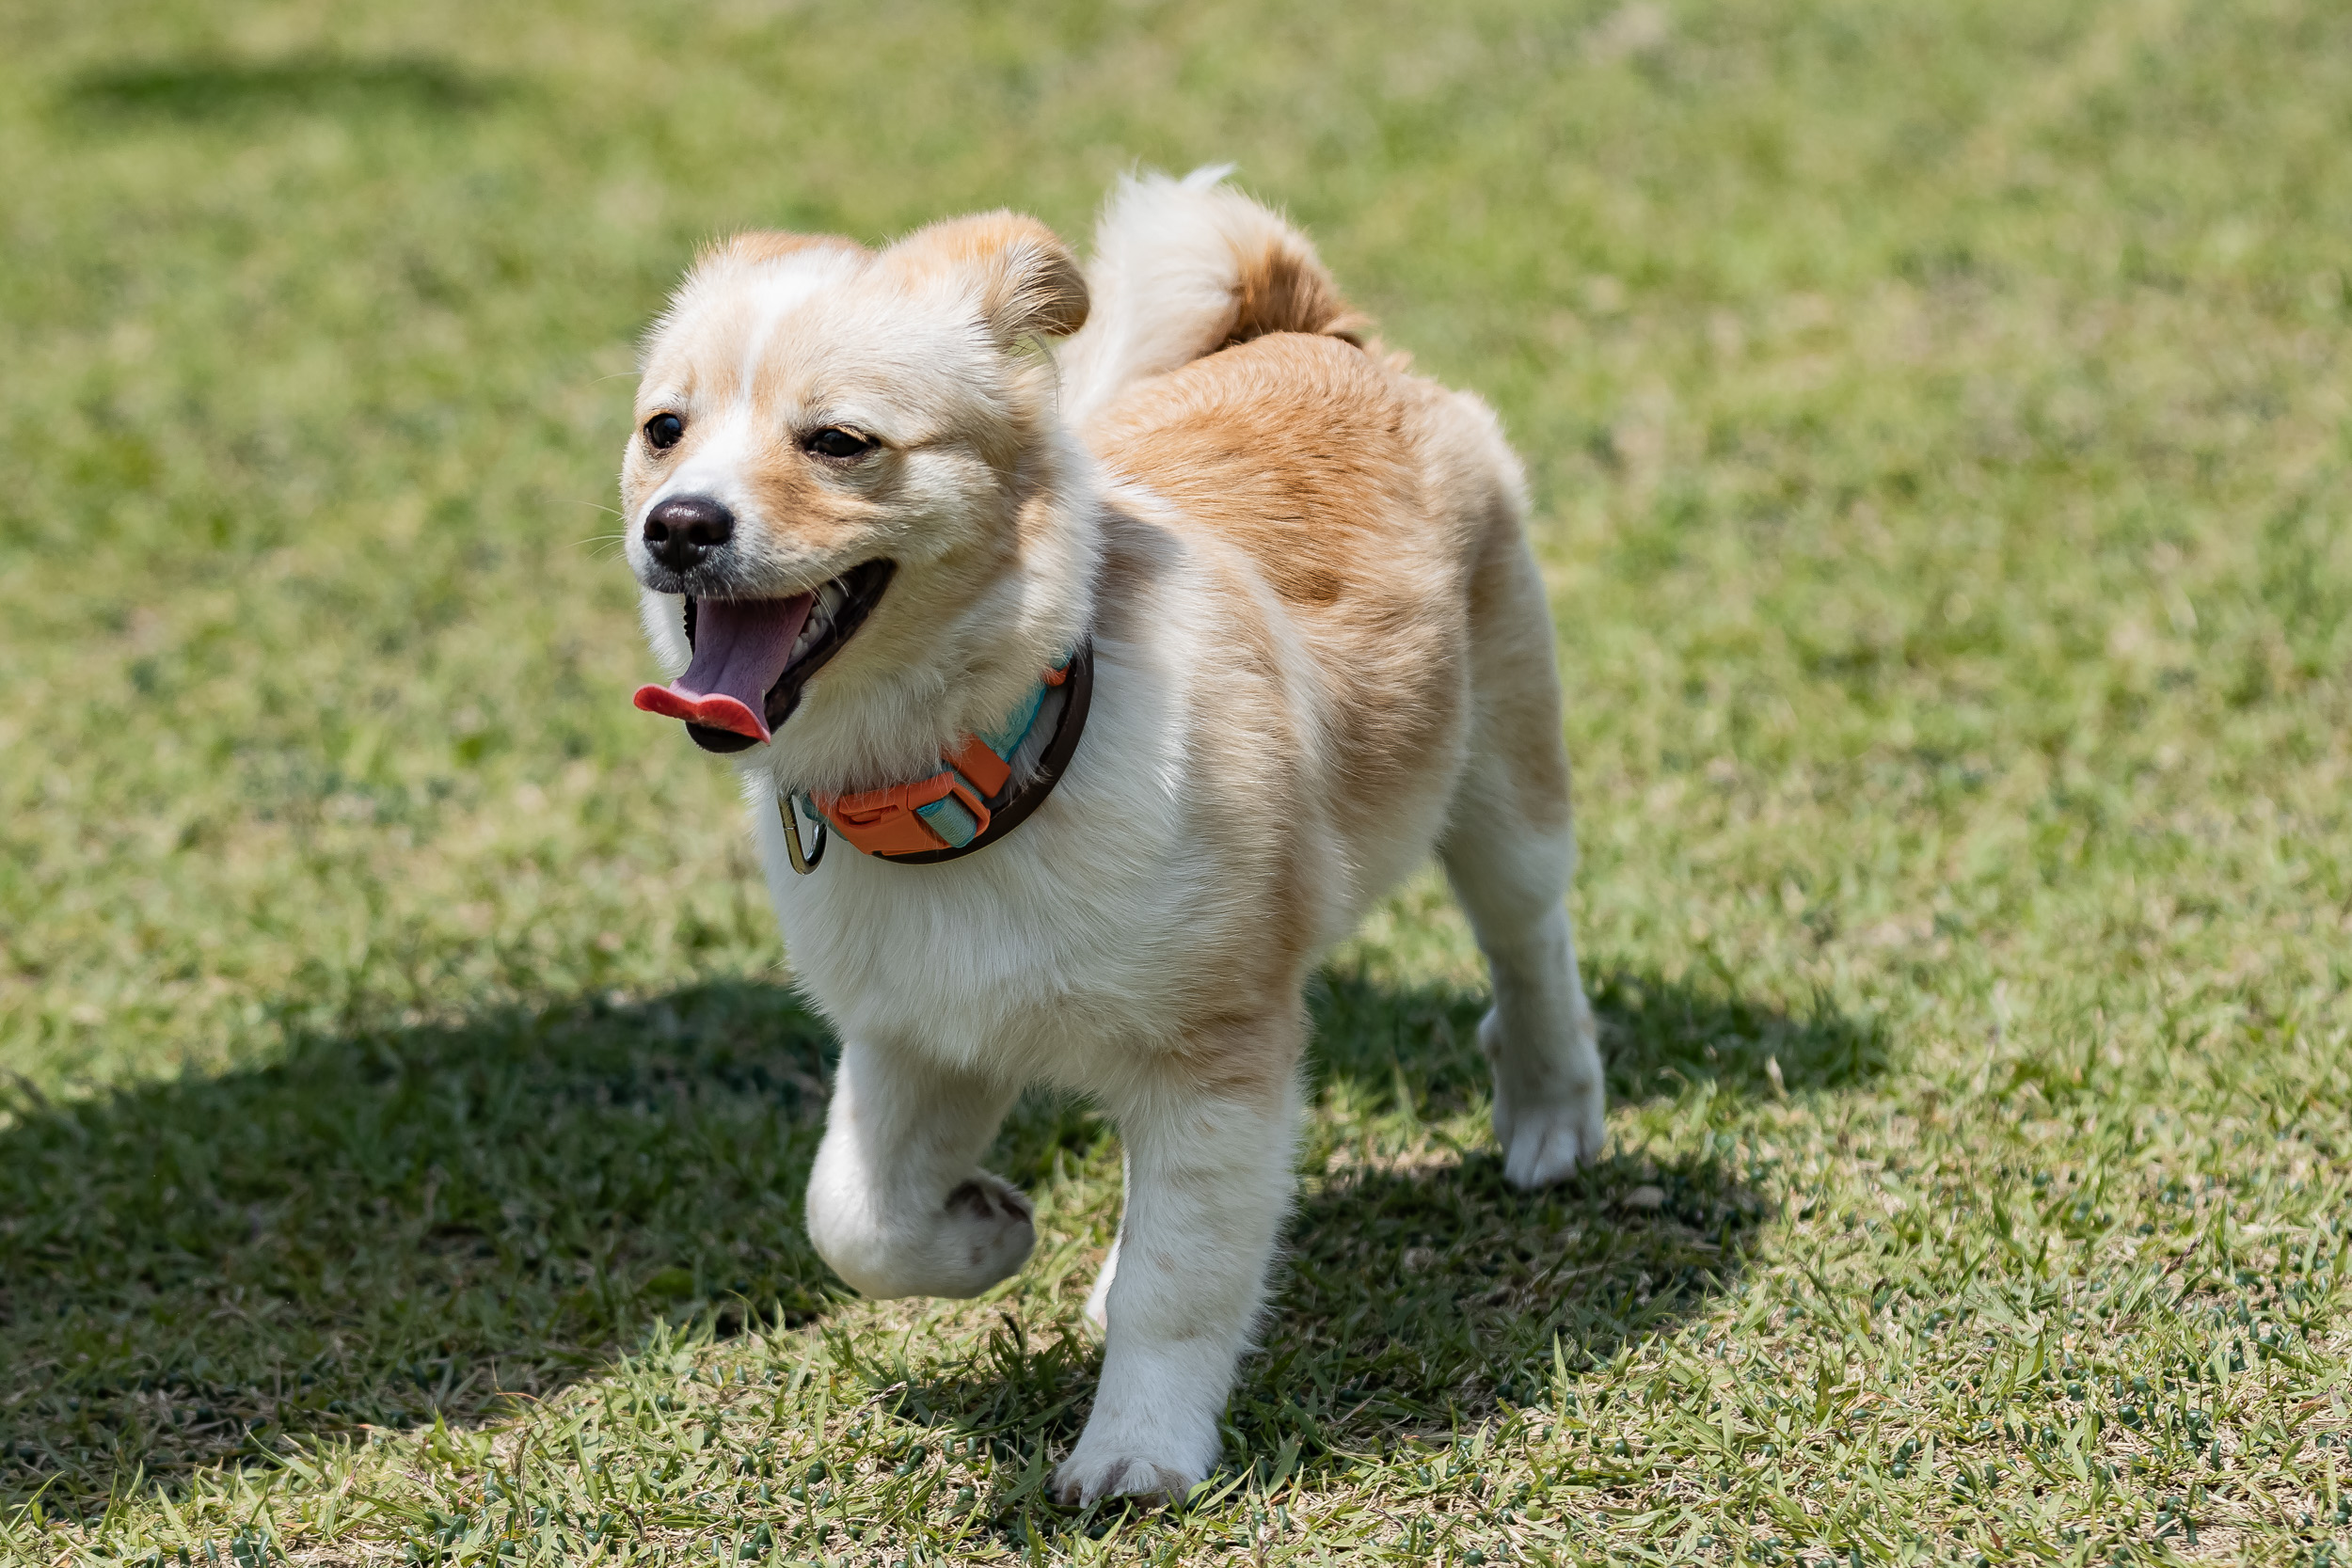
(684, 529)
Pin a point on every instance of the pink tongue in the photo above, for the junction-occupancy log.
(740, 649)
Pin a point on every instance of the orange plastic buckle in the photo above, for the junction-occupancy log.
(882, 821)
(975, 760)
(886, 821)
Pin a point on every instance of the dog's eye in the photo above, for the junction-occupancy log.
(838, 443)
(663, 431)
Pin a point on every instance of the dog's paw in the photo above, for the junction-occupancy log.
(1083, 1477)
(1545, 1136)
(990, 1229)
(1547, 1144)
(978, 1234)
(1133, 1455)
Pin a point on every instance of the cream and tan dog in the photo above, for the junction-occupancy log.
(1320, 651)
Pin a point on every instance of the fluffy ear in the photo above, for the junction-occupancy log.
(1029, 282)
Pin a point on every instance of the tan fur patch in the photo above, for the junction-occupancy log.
(1286, 446)
(1246, 1057)
(1294, 450)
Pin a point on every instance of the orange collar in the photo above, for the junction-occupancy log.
(970, 803)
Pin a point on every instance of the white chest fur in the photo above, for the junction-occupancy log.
(1052, 954)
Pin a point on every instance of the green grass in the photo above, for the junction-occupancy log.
(1941, 419)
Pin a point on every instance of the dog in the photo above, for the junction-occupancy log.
(1137, 628)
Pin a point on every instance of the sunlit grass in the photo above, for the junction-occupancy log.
(1940, 421)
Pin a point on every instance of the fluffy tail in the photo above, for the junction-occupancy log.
(1182, 268)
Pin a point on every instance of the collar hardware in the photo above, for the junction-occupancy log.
(802, 862)
(964, 807)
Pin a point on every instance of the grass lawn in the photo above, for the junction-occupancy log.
(1941, 420)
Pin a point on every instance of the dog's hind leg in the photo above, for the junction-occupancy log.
(1509, 848)
(897, 1202)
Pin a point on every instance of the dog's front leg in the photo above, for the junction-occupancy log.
(897, 1202)
(1209, 1180)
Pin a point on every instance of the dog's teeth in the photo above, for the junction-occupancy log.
(817, 624)
(819, 620)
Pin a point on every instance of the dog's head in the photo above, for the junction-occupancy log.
(830, 438)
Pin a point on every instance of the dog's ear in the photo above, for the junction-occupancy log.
(1029, 282)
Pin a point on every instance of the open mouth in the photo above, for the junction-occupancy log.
(753, 657)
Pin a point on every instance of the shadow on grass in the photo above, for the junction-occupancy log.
(397, 1223)
(207, 88)
(392, 1223)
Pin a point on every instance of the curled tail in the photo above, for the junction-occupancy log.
(1182, 268)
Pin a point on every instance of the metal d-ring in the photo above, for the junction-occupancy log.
(802, 862)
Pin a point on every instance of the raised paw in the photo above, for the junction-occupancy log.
(980, 1232)
(989, 1229)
